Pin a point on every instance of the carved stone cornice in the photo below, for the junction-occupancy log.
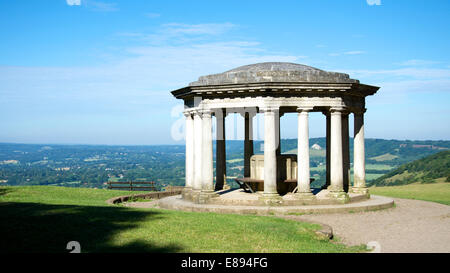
(270, 109)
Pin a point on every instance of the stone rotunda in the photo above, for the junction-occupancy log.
(273, 89)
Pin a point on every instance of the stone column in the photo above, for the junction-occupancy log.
(270, 158)
(220, 150)
(198, 135)
(359, 165)
(328, 149)
(346, 151)
(278, 132)
(207, 153)
(303, 175)
(248, 142)
(336, 187)
(189, 150)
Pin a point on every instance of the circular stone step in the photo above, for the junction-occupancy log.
(374, 203)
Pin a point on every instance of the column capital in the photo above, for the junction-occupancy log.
(206, 113)
(304, 109)
(250, 114)
(196, 112)
(219, 111)
(203, 112)
(269, 109)
(338, 110)
(187, 113)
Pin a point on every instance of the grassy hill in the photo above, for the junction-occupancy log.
(46, 218)
(436, 192)
(433, 168)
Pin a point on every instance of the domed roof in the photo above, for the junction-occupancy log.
(273, 72)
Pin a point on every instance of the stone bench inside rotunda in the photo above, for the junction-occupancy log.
(286, 173)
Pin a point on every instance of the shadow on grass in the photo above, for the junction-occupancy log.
(4, 191)
(35, 227)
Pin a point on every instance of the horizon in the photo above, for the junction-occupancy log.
(93, 72)
(182, 144)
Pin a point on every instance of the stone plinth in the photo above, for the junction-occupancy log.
(237, 205)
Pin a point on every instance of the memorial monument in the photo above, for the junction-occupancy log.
(272, 89)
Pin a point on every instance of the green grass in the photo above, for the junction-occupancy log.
(384, 157)
(312, 152)
(379, 167)
(319, 168)
(438, 192)
(317, 153)
(372, 176)
(44, 219)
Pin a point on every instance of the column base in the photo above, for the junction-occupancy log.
(270, 199)
(186, 192)
(340, 196)
(360, 190)
(226, 186)
(304, 196)
(192, 195)
(205, 196)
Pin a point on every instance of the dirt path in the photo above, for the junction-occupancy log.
(412, 226)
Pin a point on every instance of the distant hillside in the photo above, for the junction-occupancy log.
(433, 168)
(380, 151)
(94, 165)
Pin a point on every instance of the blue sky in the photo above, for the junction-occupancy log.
(100, 72)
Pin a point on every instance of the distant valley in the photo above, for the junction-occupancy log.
(94, 165)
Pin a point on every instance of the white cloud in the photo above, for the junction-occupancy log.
(73, 2)
(101, 6)
(152, 15)
(399, 86)
(137, 86)
(164, 61)
(177, 33)
(133, 90)
(373, 2)
(354, 52)
(198, 29)
(406, 73)
(416, 62)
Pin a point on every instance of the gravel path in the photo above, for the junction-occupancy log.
(412, 226)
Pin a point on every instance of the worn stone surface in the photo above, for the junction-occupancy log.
(273, 72)
(375, 203)
(150, 195)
